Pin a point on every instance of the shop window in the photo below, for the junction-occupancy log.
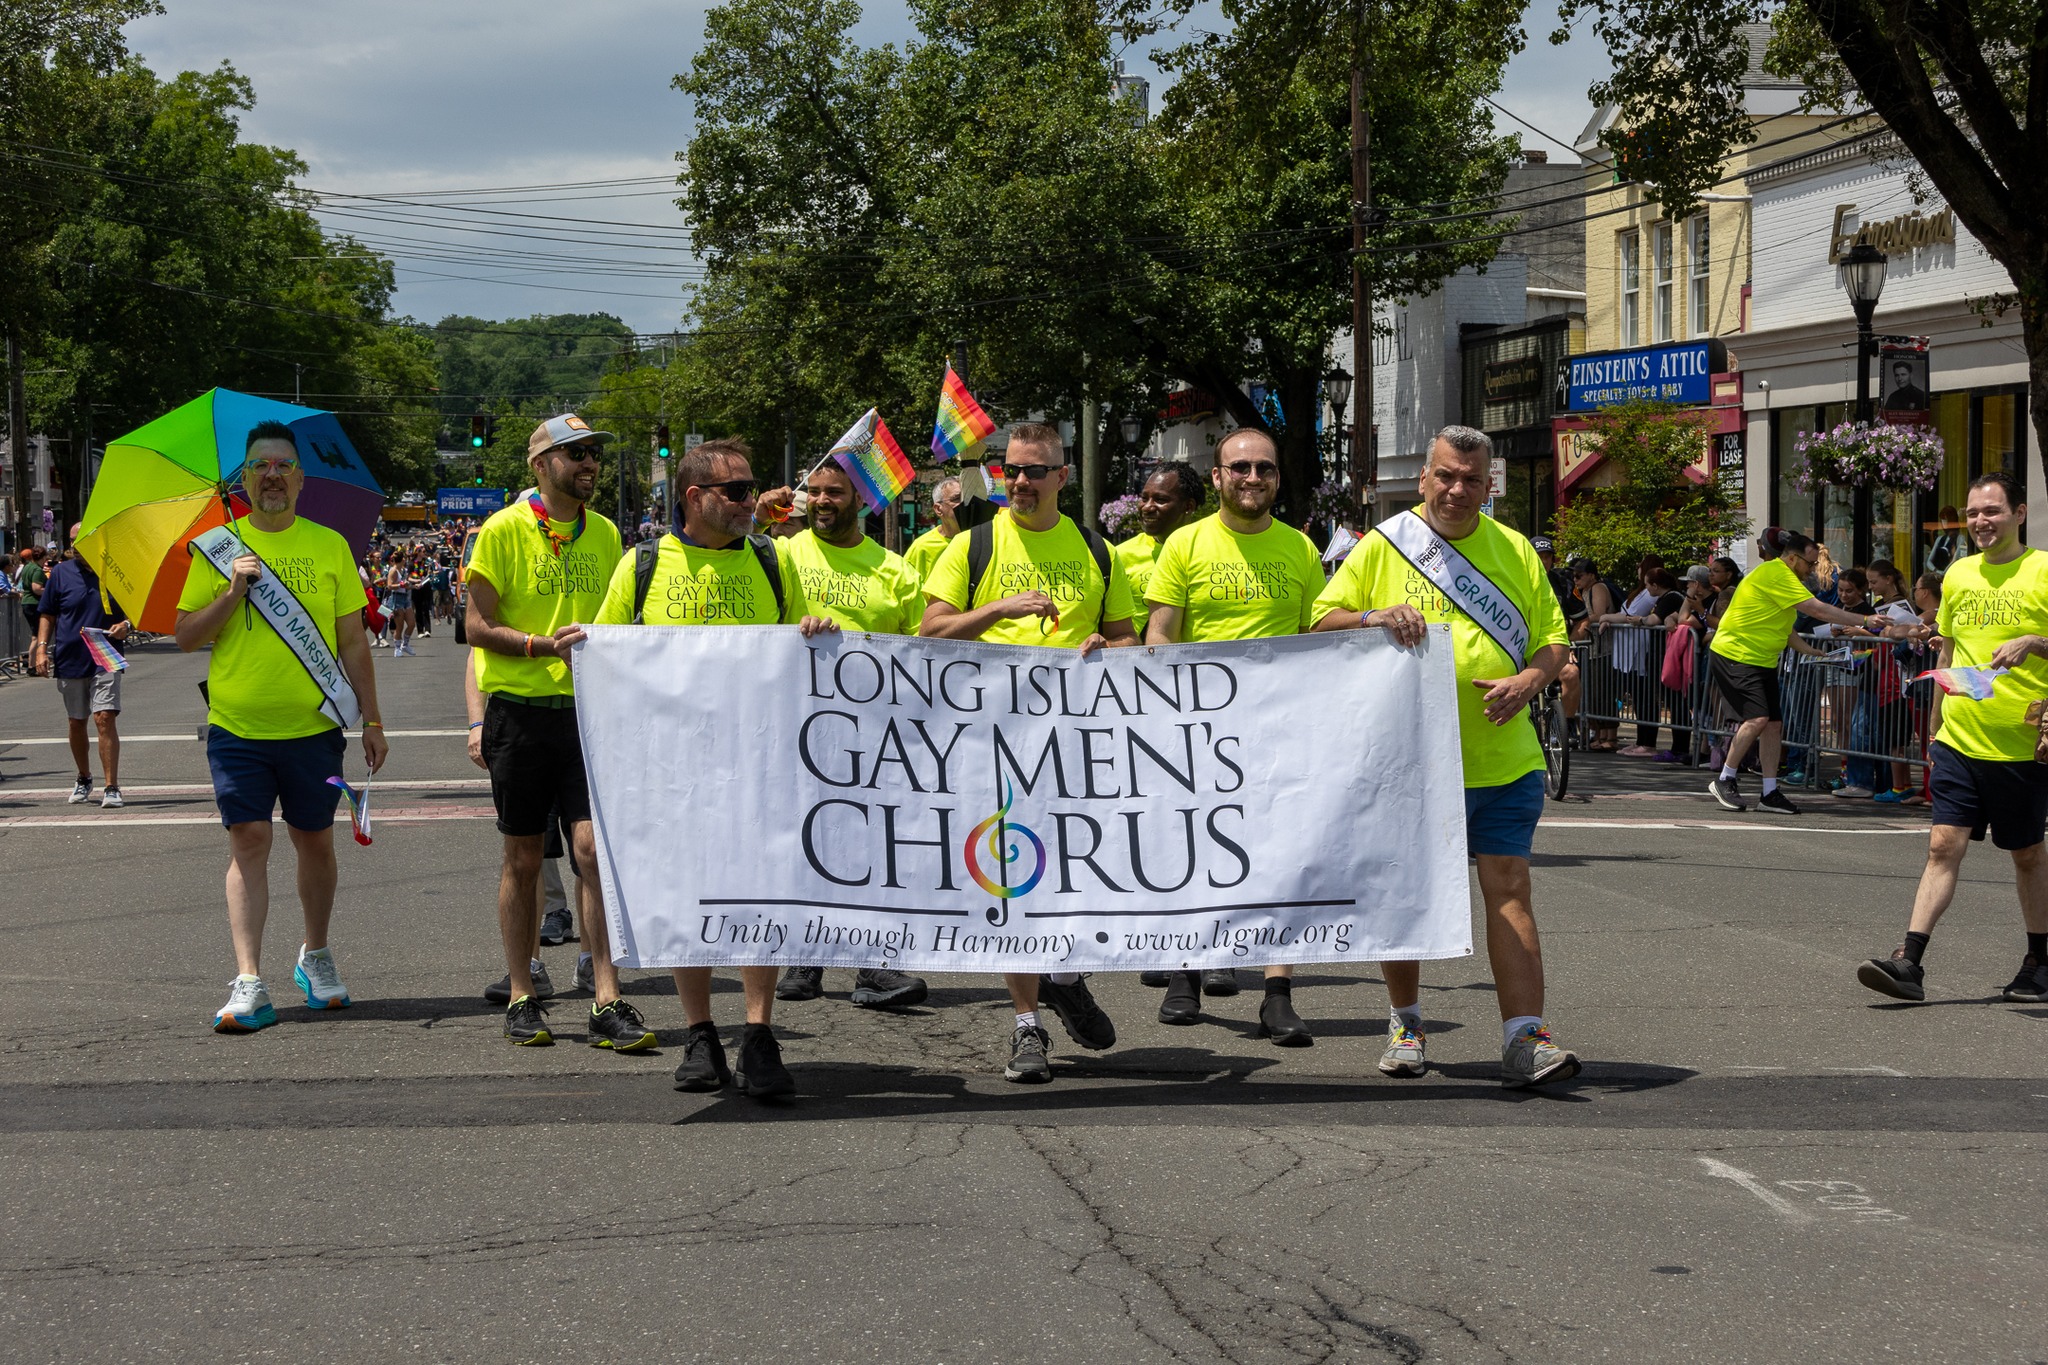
(1660, 257)
(1794, 506)
(1942, 539)
(1631, 289)
(1696, 277)
(2001, 426)
(1838, 524)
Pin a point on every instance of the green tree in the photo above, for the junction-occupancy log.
(1655, 506)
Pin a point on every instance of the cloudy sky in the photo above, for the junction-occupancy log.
(407, 102)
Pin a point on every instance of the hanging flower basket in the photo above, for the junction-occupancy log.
(1120, 516)
(1868, 455)
(1331, 502)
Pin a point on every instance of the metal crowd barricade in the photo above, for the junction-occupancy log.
(14, 638)
(1852, 710)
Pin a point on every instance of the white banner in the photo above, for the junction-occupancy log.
(939, 805)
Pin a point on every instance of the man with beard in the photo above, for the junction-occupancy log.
(926, 549)
(1237, 575)
(1034, 577)
(1167, 502)
(715, 571)
(864, 587)
(272, 739)
(538, 572)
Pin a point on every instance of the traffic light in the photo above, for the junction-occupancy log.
(661, 441)
(479, 478)
(482, 427)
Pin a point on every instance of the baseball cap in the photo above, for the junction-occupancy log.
(1542, 545)
(1698, 574)
(565, 430)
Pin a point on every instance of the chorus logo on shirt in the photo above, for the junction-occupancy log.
(580, 574)
(1240, 581)
(300, 573)
(1063, 580)
(1422, 594)
(1988, 608)
(712, 597)
(826, 588)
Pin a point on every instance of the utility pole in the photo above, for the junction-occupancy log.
(788, 450)
(1364, 450)
(1091, 455)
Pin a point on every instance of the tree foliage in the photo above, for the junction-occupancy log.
(1654, 507)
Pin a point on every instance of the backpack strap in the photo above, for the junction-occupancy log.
(644, 555)
(1098, 548)
(771, 565)
(981, 548)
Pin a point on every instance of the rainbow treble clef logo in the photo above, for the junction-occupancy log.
(1005, 847)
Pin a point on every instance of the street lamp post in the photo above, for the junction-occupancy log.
(1863, 271)
(1337, 385)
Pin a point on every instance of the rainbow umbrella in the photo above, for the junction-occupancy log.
(181, 475)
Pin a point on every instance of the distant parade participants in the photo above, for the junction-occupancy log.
(924, 552)
(1168, 501)
(1407, 574)
(537, 574)
(716, 571)
(1034, 577)
(71, 605)
(1994, 614)
(1237, 575)
(282, 682)
(867, 588)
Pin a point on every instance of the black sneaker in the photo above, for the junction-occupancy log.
(619, 1027)
(1028, 1063)
(526, 1023)
(499, 992)
(558, 926)
(1182, 1003)
(1155, 978)
(801, 983)
(761, 1074)
(1085, 1022)
(1220, 981)
(1279, 1022)
(1723, 789)
(1897, 976)
(2031, 984)
(703, 1065)
(1776, 800)
(878, 988)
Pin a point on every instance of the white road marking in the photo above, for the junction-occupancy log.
(1863, 1070)
(1779, 1205)
(1549, 823)
(400, 816)
(194, 738)
(206, 789)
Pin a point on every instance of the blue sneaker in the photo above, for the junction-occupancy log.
(316, 975)
(248, 1007)
(1891, 798)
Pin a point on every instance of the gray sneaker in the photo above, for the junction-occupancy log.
(1533, 1059)
(499, 992)
(586, 975)
(1028, 1062)
(1403, 1056)
(558, 926)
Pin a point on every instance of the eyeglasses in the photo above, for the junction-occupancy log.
(1244, 469)
(582, 450)
(264, 468)
(732, 490)
(1033, 472)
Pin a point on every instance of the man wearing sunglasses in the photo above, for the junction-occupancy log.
(1237, 575)
(1034, 577)
(537, 574)
(715, 572)
(269, 743)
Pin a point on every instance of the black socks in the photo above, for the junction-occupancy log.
(2037, 944)
(1280, 985)
(1916, 944)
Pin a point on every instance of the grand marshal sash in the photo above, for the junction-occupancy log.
(1459, 580)
(278, 605)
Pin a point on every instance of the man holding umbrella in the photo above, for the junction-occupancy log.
(279, 599)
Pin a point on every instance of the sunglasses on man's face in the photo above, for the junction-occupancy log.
(732, 490)
(1033, 472)
(265, 468)
(1244, 469)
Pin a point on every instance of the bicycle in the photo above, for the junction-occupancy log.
(1553, 731)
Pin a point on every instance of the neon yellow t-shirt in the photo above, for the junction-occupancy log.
(1139, 555)
(1758, 621)
(1982, 606)
(1230, 586)
(538, 592)
(865, 588)
(693, 586)
(1375, 574)
(255, 686)
(924, 552)
(1054, 562)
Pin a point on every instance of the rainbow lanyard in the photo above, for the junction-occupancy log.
(559, 543)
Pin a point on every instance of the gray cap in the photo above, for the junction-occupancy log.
(1698, 574)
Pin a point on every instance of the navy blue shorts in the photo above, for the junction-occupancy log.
(1501, 821)
(2010, 799)
(252, 776)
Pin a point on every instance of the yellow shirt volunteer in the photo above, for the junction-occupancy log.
(1982, 606)
(694, 586)
(539, 592)
(255, 686)
(1139, 555)
(925, 551)
(1231, 586)
(1054, 562)
(1376, 575)
(1759, 618)
(865, 588)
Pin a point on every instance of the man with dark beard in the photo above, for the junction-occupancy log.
(1169, 500)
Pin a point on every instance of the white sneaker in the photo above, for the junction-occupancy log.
(81, 791)
(110, 799)
(1532, 1058)
(1852, 793)
(1404, 1054)
(318, 977)
(248, 1007)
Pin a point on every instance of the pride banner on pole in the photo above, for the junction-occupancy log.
(937, 805)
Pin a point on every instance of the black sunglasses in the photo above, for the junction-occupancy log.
(1265, 469)
(732, 490)
(1033, 472)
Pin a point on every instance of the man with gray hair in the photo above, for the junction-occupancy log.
(926, 549)
(1446, 561)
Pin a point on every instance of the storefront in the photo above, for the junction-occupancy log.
(1800, 361)
(1510, 395)
(1695, 374)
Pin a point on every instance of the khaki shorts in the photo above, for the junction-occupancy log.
(84, 696)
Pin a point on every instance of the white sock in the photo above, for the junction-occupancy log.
(533, 966)
(244, 976)
(1063, 978)
(1510, 1027)
(582, 959)
(1028, 1019)
(1727, 773)
(1411, 1013)
(1770, 785)
(304, 951)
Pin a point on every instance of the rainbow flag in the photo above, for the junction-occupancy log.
(109, 659)
(998, 491)
(358, 807)
(961, 426)
(1974, 683)
(872, 459)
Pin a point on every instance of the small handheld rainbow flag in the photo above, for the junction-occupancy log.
(998, 490)
(358, 808)
(872, 459)
(109, 659)
(1974, 683)
(961, 426)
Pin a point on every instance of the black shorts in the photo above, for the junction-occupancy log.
(1750, 691)
(2011, 799)
(536, 762)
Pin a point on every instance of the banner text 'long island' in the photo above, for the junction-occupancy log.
(939, 805)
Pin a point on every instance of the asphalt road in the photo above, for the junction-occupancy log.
(1762, 1161)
